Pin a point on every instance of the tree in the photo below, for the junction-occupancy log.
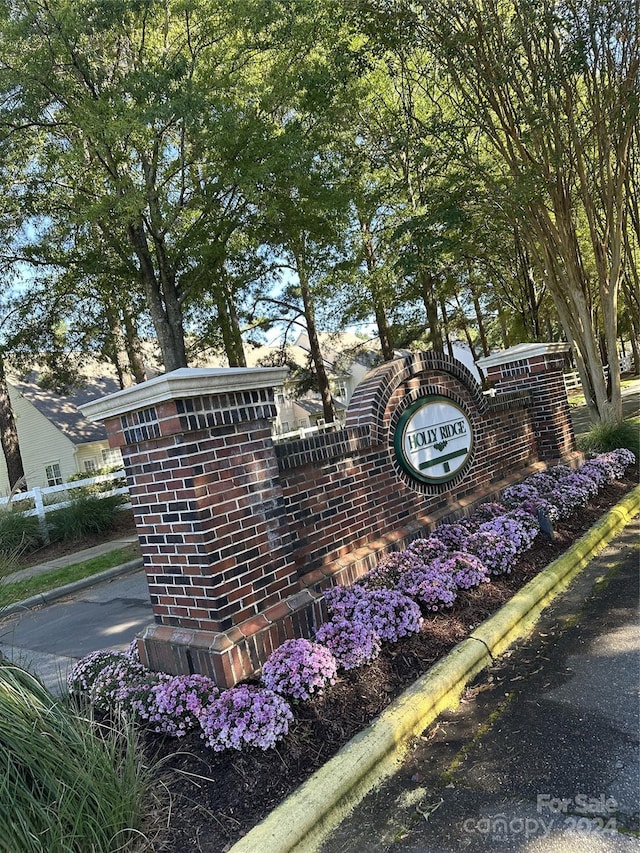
(144, 124)
(554, 89)
(9, 432)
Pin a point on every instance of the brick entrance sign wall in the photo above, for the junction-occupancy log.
(240, 536)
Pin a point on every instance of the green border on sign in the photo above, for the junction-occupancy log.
(398, 439)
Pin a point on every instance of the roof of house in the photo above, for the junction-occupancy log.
(62, 409)
(313, 405)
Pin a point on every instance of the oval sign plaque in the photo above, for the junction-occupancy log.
(433, 440)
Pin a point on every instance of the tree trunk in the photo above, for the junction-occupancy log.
(134, 348)
(427, 290)
(631, 290)
(465, 328)
(382, 324)
(163, 303)
(504, 330)
(9, 434)
(481, 327)
(114, 344)
(445, 325)
(229, 325)
(314, 342)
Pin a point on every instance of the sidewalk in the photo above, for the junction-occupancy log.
(542, 755)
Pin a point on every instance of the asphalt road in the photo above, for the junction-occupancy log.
(48, 640)
(542, 755)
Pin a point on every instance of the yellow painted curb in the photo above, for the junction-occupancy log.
(304, 819)
(516, 618)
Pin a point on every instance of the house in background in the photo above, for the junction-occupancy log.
(56, 441)
(348, 358)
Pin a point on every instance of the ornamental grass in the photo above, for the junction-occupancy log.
(67, 784)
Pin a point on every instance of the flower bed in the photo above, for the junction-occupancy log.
(398, 619)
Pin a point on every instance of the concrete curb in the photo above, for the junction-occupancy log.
(304, 819)
(52, 595)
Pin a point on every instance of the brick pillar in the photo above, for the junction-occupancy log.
(208, 507)
(538, 368)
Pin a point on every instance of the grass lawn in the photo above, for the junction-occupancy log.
(576, 398)
(19, 590)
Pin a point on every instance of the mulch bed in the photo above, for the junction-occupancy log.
(212, 799)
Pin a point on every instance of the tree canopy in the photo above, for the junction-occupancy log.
(197, 172)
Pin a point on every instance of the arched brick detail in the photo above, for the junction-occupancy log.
(369, 406)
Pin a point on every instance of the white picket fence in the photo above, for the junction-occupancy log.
(572, 379)
(40, 501)
(305, 432)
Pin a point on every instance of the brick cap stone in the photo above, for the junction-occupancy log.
(522, 352)
(183, 383)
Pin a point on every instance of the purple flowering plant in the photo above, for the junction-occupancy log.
(570, 494)
(599, 471)
(486, 512)
(352, 642)
(172, 705)
(299, 668)
(385, 574)
(136, 698)
(520, 493)
(430, 585)
(391, 614)
(342, 600)
(107, 687)
(516, 526)
(245, 716)
(549, 509)
(557, 472)
(85, 671)
(494, 551)
(428, 549)
(388, 571)
(466, 570)
(453, 536)
(543, 483)
(618, 460)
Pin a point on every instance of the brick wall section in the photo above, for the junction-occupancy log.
(344, 490)
(240, 537)
(208, 507)
(542, 377)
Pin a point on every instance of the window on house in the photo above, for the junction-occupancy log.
(111, 457)
(54, 474)
(90, 465)
(340, 391)
(285, 426)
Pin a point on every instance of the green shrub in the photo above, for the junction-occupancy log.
(97, 488)
(86, 515)
(67, 783)
(18, 532)
(609, 436)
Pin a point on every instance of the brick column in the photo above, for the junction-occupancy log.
(208, 507)
(538, 368)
